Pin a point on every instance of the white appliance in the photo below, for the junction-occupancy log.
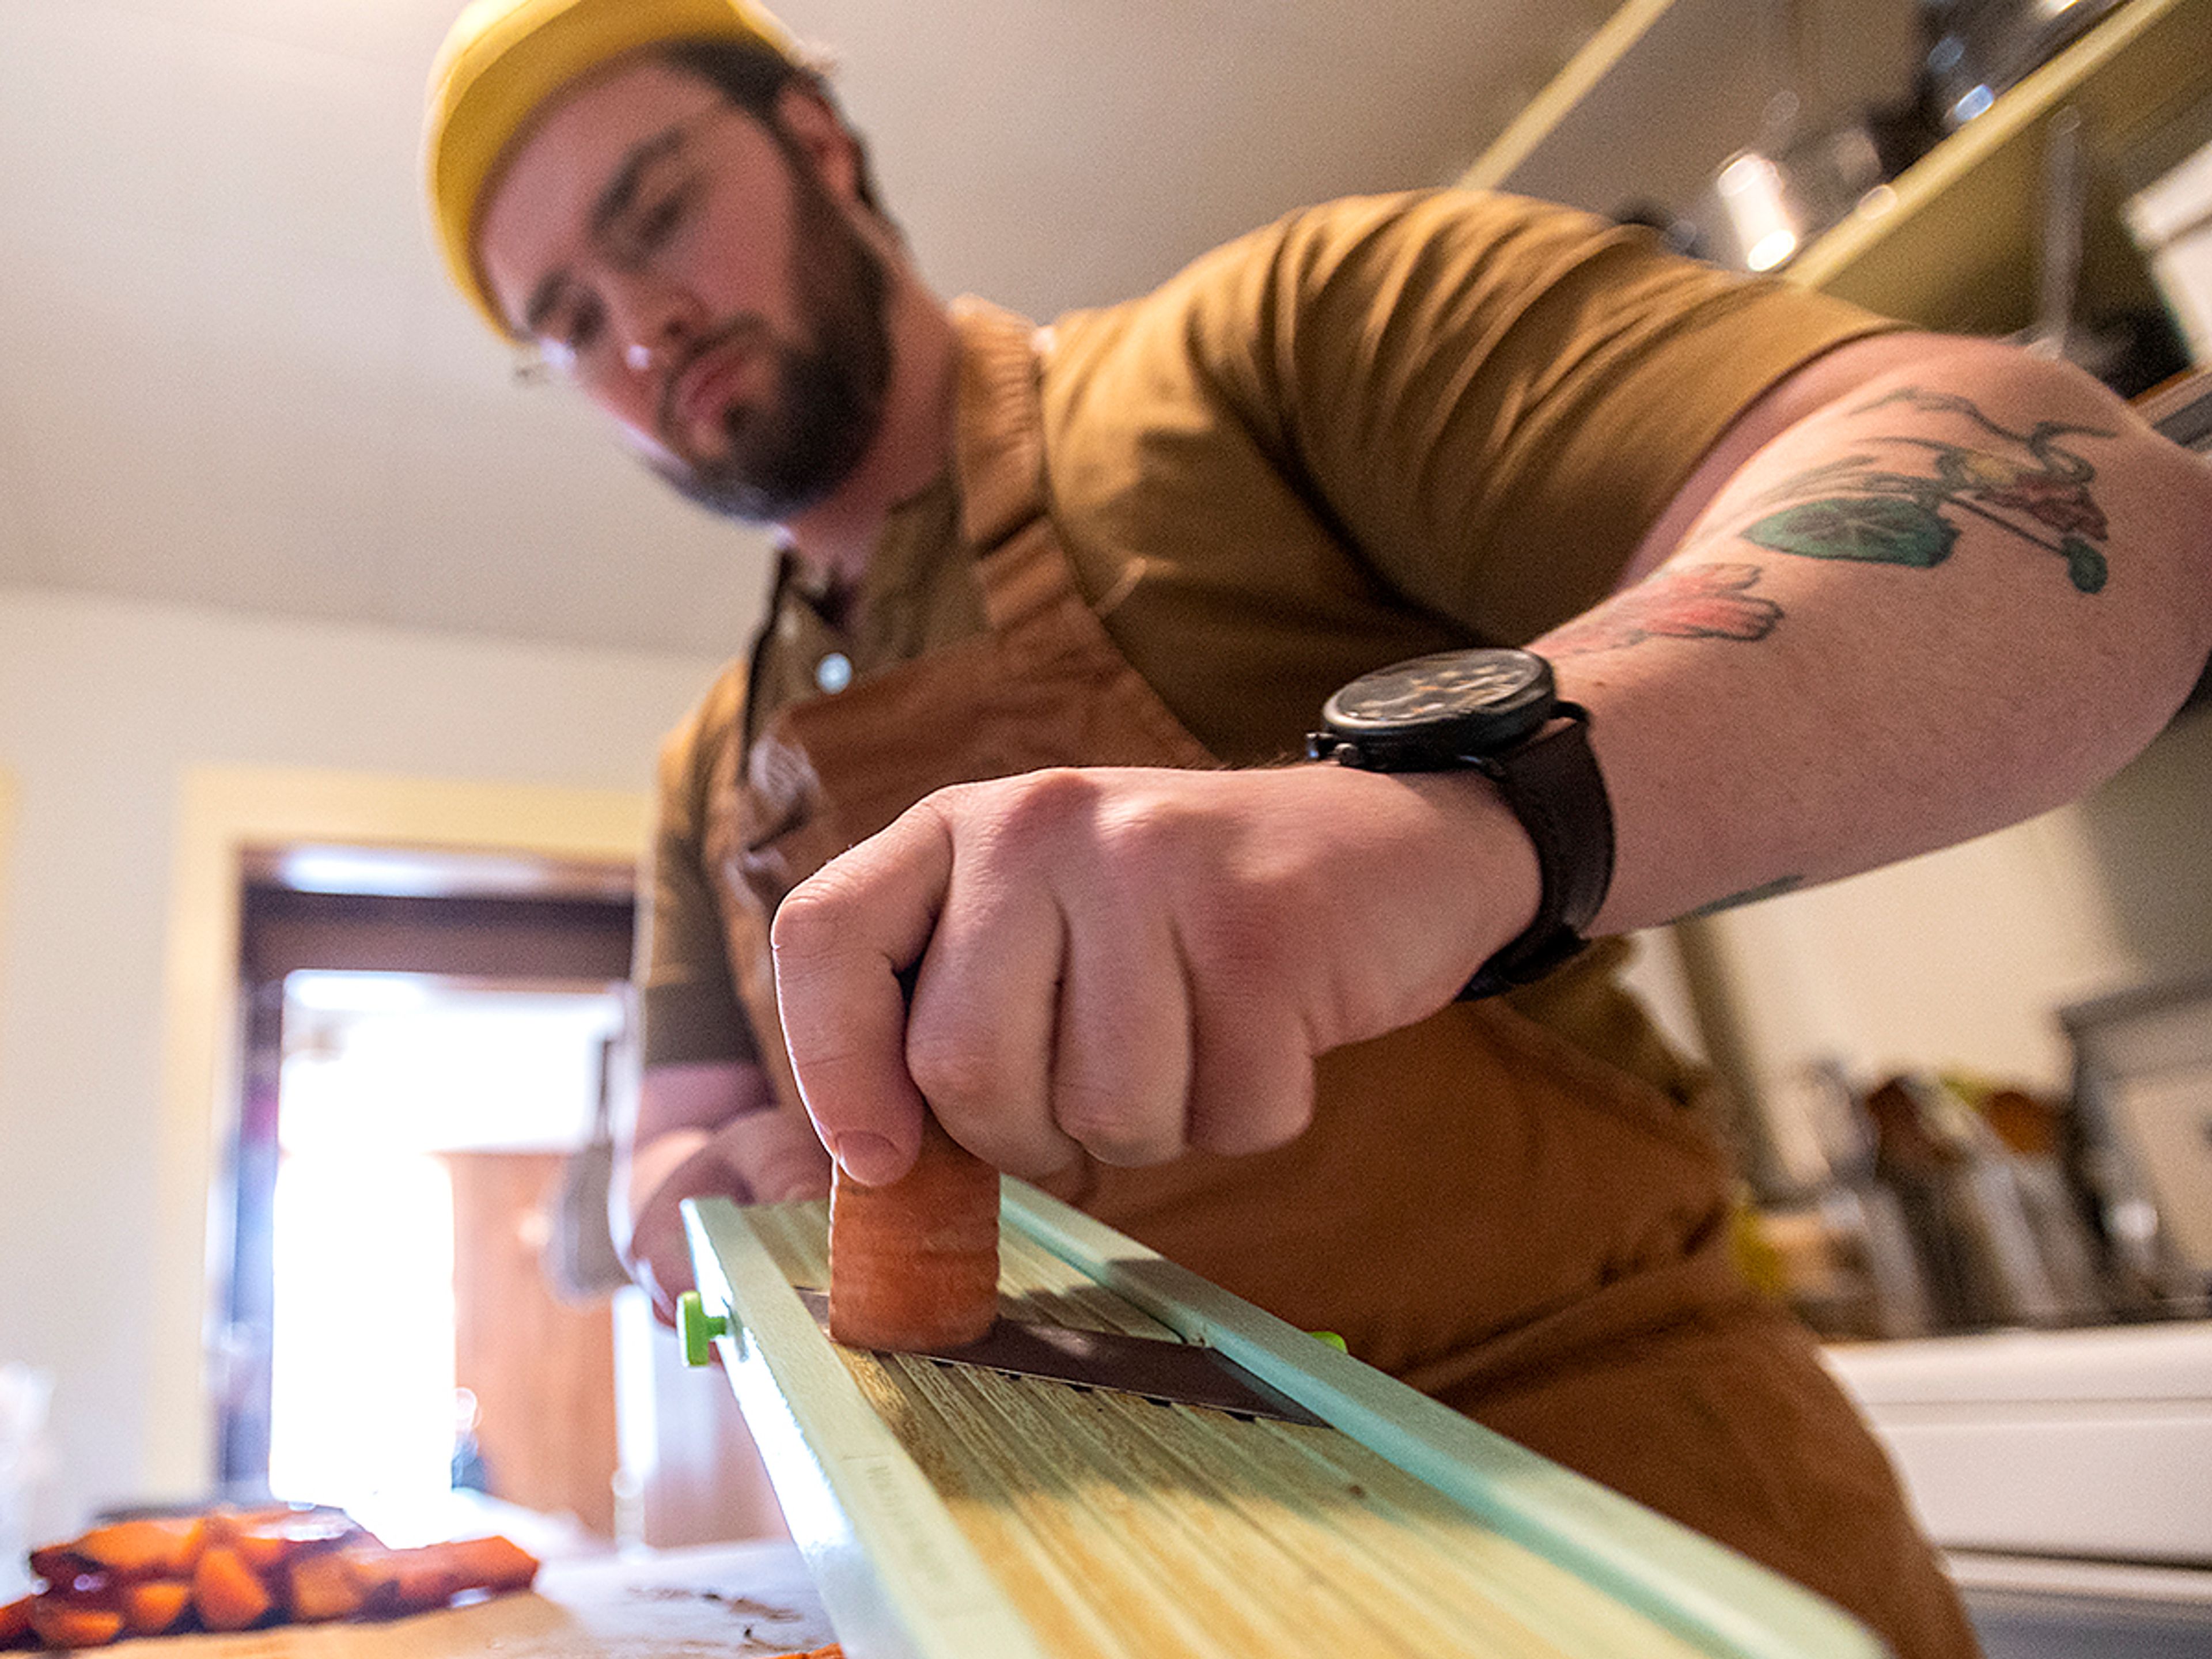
(2066, 1475)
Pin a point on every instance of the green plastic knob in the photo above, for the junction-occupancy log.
(698, 1328)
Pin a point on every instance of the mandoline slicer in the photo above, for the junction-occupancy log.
(948, 1511)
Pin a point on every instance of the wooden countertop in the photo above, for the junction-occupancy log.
(717, 1601)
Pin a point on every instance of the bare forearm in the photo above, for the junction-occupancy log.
(1962, 593)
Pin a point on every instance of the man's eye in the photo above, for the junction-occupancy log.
(571, 337)
(659, 219)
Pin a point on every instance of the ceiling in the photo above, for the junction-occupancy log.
(231, 373)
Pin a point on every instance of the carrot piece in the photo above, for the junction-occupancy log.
(400, 1581)
(163, 1547)
(61, 1566)
(15, 1622)
(263, 1553)
(376, 1581)
(228, 1594)
(153, 1606)
(322, 1585)
(225, 1521)
(915, 1264)
(421, 1578)
(60, 1623)
(492, 1563)
(428, 1576)
(266, 1539)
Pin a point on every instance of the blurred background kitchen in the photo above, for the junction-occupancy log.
(333, 658)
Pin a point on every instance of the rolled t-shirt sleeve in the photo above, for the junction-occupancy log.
(1390, 425)
(688, 1004)
(1495, 398)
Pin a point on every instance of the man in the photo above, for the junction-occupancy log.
(1000, 775)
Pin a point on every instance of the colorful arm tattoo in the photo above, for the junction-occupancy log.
(2028, 484)
(1684, 602)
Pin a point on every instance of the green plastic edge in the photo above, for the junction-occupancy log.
(897, 1576)
(1701, 1590)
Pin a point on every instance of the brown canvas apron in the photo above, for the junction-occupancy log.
(1508, 1225)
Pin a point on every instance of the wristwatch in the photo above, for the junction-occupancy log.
(1498, 713)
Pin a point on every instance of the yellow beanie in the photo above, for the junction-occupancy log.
(504, 59)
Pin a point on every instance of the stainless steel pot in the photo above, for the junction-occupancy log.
(1978, 48)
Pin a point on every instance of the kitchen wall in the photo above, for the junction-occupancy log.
(114, 718)
(1960, 959)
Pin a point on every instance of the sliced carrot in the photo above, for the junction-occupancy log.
(164, 1547)
(421, 1578)
(154, 1606)
(61, 1566)
(264, 1551)
(322, 1585)
(228, 1594)
(225, 1521)
(60, 1623)
(266, 1539)
(403, 1580)
(239, 1568)
(491, 1563)
(915, 1264)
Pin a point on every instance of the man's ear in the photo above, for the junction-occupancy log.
(815, 126)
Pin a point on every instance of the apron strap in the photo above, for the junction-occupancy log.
(1000, 457)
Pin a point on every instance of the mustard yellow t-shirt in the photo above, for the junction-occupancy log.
(1378, 427)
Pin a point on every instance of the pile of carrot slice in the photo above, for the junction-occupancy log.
(231, 1569)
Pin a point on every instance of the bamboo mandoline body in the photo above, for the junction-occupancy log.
(948, 1512)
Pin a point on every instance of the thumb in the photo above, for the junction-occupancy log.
(846, 940)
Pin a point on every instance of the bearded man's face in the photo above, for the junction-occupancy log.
(688, 267)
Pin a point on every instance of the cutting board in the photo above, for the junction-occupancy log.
(723, 1602)
(949, 1512)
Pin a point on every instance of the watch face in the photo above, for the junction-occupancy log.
(1437, 707)
(1441, 687)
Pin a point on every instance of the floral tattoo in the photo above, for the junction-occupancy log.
(2027, 483)
(1691, 602)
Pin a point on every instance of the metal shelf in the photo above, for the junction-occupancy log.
(1952, 245)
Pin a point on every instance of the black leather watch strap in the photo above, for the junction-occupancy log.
(1553, 785)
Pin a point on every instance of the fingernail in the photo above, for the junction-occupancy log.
(869, 1159)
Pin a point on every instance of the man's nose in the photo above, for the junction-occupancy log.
(654, 321)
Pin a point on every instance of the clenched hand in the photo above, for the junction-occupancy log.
(1133, 963)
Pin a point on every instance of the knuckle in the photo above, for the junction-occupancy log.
(948, 1082)
(1113, 1129)
(1042, 805)
(949, 1067)
(808, 922)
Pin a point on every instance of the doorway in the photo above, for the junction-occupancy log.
(426, 1048)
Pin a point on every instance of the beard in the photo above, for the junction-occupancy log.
(790, 450)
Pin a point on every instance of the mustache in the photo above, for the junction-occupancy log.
(749, 328)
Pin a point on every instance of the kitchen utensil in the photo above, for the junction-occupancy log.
(580, 1261)
(1168, 1372)
(950, 1510)
(1978, 48)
